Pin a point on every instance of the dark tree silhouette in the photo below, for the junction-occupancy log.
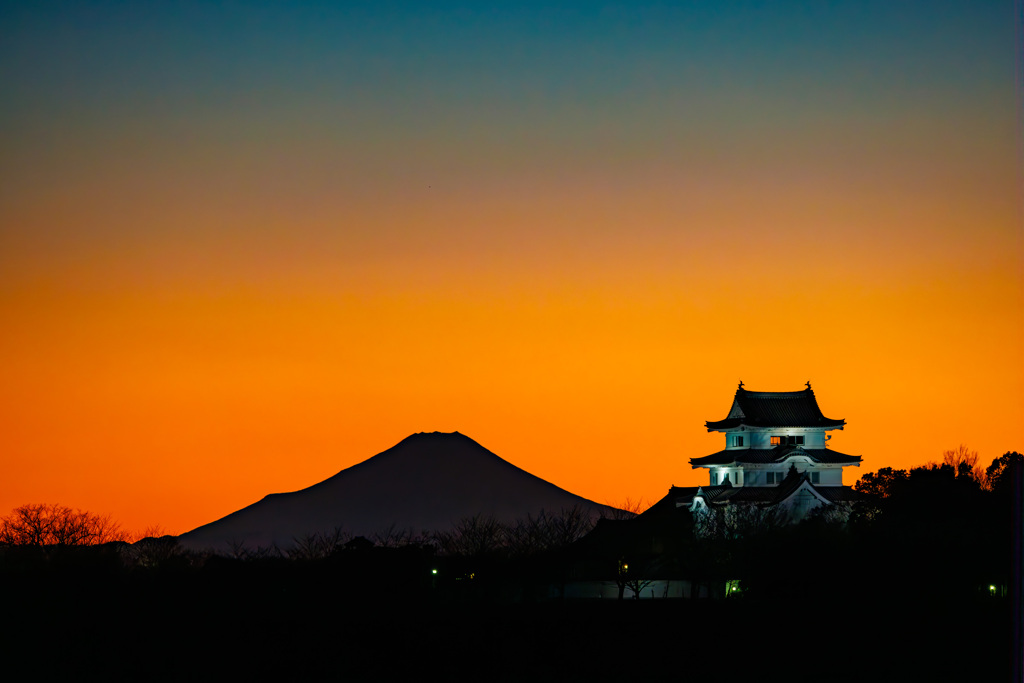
(965, 461)
(476, 536)
(44, 524)
(936, 517)
(737, 521)
(880, 484)
(998, 475)
(317, 546)
(543, 532)
(394, 537)
(631, 576)
(627, 509)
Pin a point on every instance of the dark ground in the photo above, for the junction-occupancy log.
(234, 623)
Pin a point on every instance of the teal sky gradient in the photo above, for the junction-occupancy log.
(369, 95)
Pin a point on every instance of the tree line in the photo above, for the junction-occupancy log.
(955, 514)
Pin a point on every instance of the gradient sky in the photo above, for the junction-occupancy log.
(246, 245)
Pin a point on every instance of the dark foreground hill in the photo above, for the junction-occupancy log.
(426, 482)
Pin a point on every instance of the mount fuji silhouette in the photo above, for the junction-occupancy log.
(426, 482)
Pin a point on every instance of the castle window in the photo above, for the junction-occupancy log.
(815, 477)
(769, 478)
(737, 441)
(776, 440)
(714, 478)
(788, 440)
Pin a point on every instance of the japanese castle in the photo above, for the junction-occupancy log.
(775, 454)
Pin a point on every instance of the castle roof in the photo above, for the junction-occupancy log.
(768, 409)
(767, 456)
(682, 496)
(773, 495)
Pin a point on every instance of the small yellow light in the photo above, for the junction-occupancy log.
(433, 571)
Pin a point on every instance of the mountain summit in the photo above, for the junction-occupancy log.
(426, 482)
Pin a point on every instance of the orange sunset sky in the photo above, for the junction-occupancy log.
(243, 247)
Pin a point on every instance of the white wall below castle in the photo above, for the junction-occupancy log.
(659, 589)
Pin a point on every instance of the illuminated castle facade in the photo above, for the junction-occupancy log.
(776, 468)
(775, 456)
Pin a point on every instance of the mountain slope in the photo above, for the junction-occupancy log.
(425, 482)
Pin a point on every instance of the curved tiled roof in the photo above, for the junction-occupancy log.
(682, 496)
(677, 496)
(774, 409)
(839, 494)
(773, 495)
(764, 456)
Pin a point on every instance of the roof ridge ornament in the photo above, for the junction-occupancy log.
(741, 384)
(808, 384)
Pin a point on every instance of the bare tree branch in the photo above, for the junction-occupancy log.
(45, 524)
